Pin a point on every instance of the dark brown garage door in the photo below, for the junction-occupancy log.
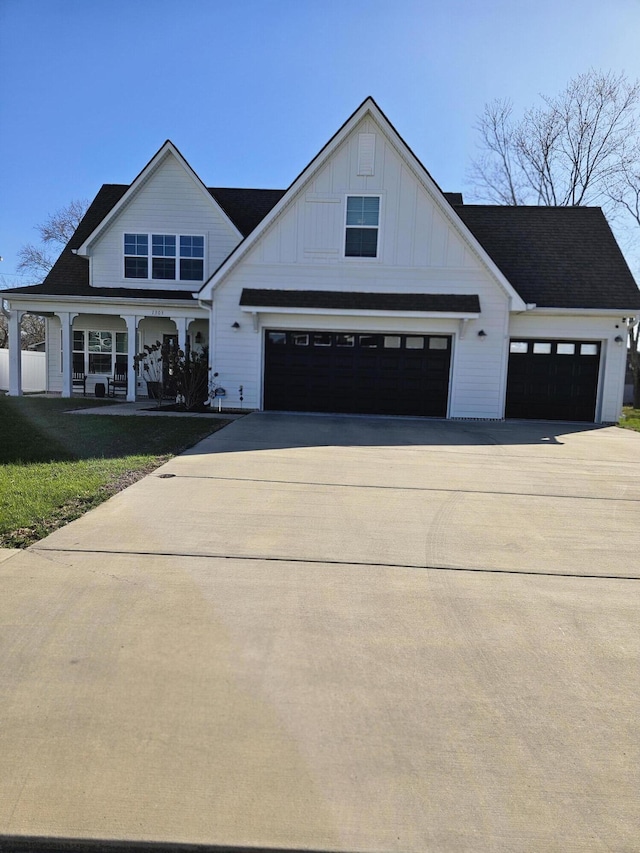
(395, 374)
(553, 380)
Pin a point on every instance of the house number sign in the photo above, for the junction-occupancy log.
(158, 312)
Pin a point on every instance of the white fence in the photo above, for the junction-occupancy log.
(34, 371)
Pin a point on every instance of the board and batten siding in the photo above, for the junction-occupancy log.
(413, 230)
(169, 202)
(419, 252)
(478, 366)
(589, 328)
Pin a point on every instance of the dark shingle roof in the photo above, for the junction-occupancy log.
(246, 208)
(453, 198)
(355, 300)
(562, 257)
(69, 275)
(559, 257)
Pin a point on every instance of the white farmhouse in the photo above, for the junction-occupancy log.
(361, 288)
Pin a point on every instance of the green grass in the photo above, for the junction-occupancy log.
(630, 418)
(55, 466)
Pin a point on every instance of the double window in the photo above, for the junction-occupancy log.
(363, 221)
(173, 257)
(99, 352)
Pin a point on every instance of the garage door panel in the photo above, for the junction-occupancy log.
(368, 373)
(553, 380)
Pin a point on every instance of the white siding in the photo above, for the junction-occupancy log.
(419, 252)
(170, 202)
(413, 231)
(477, 365)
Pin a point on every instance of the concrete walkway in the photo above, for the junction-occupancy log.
(146, 408)
(336, 633)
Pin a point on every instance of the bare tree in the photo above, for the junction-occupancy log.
(55, 232)
(580, 147)
(567, 151)
(32, 331)
(496, 171)
(624, 192)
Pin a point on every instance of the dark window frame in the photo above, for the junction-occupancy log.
(164, 257)
(362, 226)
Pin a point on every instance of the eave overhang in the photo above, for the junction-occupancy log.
(18, 300)
(334, 312)
(581, 312)
(357, 303)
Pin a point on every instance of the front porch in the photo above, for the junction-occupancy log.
(91, 352)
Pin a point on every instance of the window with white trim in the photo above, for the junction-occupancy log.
(98, 352)
(362, 225)
(174, 257)
(136, 255)
(163, 256)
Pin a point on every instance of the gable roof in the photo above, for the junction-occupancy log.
(69, 276)
(367, 107)
(167, 150)
(556, 257)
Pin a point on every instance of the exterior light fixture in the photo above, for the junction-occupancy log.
(235, 326)
(618, 340)
(482, 334)
(198, 337)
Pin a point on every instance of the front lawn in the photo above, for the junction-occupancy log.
(630, 418)
(55, 466)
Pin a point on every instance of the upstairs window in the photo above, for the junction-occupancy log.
(173, 257)
(136, 256)
(191, 258)
(163, 263)
(363, 219)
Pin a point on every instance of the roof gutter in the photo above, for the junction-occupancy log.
(588, 312)
(98, 300)
(359, 312)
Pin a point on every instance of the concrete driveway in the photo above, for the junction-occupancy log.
(337, 633)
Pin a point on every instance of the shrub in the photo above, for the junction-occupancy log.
(182, 375)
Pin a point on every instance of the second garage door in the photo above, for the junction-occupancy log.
(553, 380)
(398, 374)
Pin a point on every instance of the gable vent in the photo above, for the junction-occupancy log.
(366, 153)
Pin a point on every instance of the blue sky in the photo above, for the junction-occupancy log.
(250, 90)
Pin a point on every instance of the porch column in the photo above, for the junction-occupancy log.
(66, 322)
(15, 354)
(181, 329)
(132, 321)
